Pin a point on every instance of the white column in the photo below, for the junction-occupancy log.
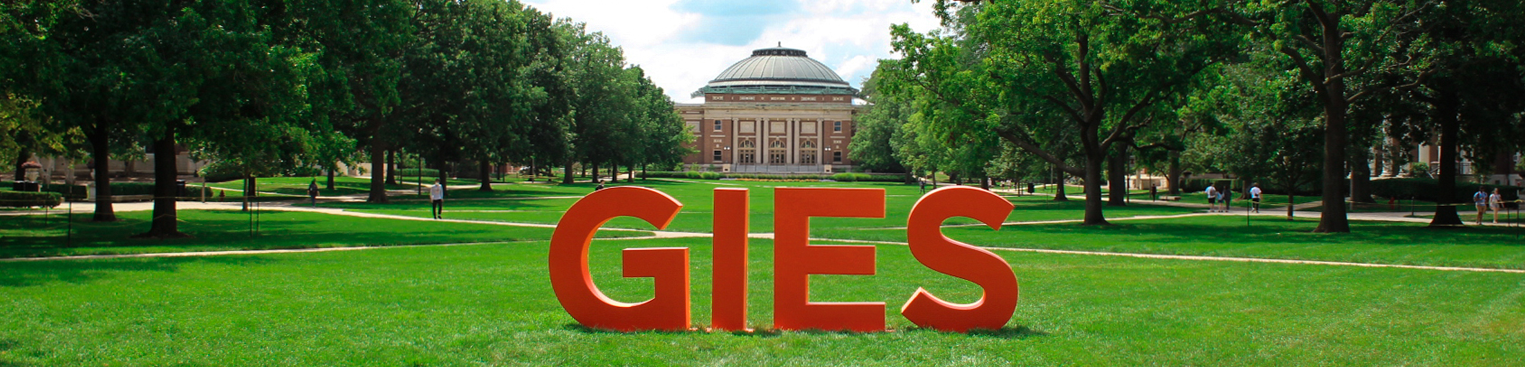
(735, 148)
(794, 130)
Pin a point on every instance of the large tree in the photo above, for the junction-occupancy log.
(1332, 45)
(360, 46)
(1098, 68)
(1468, 92)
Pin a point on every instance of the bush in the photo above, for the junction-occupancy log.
(80, 192)
(74, 192)
(1428, 189)
(16, 199)
(414, 172)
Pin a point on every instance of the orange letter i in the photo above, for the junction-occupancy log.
(729, 303)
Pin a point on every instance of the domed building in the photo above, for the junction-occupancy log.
(777, 111)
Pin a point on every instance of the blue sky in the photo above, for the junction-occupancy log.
(684, 43)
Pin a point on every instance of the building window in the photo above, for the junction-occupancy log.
(807, 158)
(836, 126)
(717, 125)
(776, 157)
(747, 157)
(717, 156)
(836, 157)
(748, 144)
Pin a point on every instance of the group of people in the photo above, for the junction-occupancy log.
(1218, 200)
(1485, 201)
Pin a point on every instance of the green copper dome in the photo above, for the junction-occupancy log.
(778, 71)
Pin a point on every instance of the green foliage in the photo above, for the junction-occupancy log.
(18, 199)
(1427, 189)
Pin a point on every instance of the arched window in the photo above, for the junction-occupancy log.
(748, 144)
(808, 144)
(776, 144)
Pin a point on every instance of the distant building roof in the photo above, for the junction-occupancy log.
(778, 71)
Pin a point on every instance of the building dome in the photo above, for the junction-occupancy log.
(778, 71)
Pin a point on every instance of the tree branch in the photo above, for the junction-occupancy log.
(1028, 146)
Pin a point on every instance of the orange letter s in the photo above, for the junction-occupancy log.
(940, 253)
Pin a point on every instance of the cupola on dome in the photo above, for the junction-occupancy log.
(777, 71)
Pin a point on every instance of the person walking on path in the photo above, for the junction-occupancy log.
(312, 192)
(1480, 201)
(437, 199)
(1496, 202)
(1212, 199)
(1255, 197)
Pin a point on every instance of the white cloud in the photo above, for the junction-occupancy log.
(846, 35)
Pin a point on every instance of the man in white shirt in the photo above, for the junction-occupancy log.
(1212, 199)
(437, 199)
(1255, 197)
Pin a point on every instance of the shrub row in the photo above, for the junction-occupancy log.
(17, 199)
(1428, 189)
(844, 177)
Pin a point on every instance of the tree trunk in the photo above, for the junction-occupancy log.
(486, 176)
(1059, 194)
(391, 167)
(100, 145)
(21, 158)
(1290, 201)
(1173, 174)
(164, 224)
(1093, 214)
(566, 174)
(595, 172)
(1360, 176)
(331, 177)
(1446, 109)
(378, 181)
(444, 175)
(1117, 179)
(1336, 107)
(248, 189)
(631, 170)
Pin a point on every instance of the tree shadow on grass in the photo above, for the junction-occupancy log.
(1009, 332)
(6, 346)
(221, 230)
(39, 273)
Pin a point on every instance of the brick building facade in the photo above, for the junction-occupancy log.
(777, 111)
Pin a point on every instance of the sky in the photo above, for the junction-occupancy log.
(683, 44)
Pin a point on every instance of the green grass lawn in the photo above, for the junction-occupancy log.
(489, 302)
(34, 236)
(524, 203)
(492, 305)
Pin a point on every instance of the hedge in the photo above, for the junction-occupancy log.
(844, 177)
(18, 199)
(1428, 189)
